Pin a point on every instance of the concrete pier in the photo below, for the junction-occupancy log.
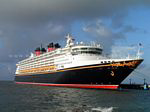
(134, 86)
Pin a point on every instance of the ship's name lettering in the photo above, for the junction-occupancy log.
(133, 63)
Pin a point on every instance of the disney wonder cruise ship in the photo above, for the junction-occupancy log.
(76, 65)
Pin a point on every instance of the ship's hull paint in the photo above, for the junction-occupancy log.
(96, 86)
(95, 74)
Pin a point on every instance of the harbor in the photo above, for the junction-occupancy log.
(135, 86)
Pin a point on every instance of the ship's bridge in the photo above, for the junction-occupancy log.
(82, 48)
(86, 50)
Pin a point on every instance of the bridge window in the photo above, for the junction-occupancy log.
(87, 51)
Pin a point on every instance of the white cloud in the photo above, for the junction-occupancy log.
(103, 33)
(123, 51)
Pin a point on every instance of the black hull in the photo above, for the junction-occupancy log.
(93, 74)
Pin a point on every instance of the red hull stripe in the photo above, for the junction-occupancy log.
(74, 85)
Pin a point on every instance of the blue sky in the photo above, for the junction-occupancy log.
(25, 24)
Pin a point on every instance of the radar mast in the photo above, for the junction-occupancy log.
(69, 41)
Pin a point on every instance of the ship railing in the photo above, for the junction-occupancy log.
(94, 44)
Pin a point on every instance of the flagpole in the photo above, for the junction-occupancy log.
(138, 52)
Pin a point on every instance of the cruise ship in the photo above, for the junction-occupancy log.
(77, 65)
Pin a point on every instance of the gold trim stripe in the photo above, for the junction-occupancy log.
(131, 63)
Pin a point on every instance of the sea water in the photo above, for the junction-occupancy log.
(31, 98)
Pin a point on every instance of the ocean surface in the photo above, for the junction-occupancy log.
(31, 98)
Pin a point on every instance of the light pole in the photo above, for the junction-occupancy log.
(130, 81)
(144, 81)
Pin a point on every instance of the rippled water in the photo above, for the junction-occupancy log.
(30, 98)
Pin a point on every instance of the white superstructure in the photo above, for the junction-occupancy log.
(72, 55)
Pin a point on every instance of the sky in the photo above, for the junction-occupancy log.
(115, 24)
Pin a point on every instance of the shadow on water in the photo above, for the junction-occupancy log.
(30, 98)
